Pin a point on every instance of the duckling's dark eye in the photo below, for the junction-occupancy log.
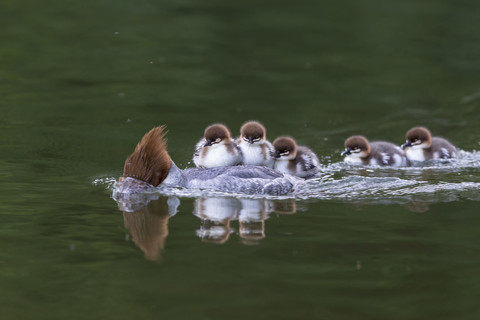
(284, 153)
(256, 139)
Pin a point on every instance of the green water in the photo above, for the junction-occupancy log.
(81, 82)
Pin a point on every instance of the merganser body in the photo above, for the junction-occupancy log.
(151, 165)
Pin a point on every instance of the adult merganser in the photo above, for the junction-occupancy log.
(150, 165)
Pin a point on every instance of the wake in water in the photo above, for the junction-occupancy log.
(430, 181)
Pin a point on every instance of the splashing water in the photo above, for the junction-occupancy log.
(430, 181)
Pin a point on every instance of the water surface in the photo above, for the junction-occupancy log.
(81, 82)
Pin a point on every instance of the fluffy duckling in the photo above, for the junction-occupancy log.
(295, 160)
(256, 149)
(359, 150)
(421, 146)
(216, 149)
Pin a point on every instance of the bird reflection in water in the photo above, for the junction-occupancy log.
(148, 225)
(217, 214)
(146, 218)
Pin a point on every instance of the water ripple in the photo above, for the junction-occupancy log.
(430, 181)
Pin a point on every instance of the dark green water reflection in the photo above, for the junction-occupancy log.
(80, 82)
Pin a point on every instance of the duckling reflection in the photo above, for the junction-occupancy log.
(148, 225)
(251, 219)
(217, 214)
(285, 207)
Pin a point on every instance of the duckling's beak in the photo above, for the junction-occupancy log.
(347, 151)
(208, 143)
(250, 140)
(277, 154)
(406, 144)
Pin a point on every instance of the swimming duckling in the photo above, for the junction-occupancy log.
(359, 150)
(295, 160)
(421, 146)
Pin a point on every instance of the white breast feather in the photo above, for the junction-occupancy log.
(218, 156)
(282, 166)
(253, 155)
(415, 154)
(352, 160)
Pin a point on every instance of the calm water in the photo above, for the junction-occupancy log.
(81, 82)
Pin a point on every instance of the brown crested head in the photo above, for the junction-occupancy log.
(285, 146)
(357, 144)
(149, 161)
(419, 135)
(217, 132)
(252, 131)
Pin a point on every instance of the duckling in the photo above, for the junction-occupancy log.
(421, 146)
(381, 153)
(217, 149)
(256, 149)
(295, 160)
